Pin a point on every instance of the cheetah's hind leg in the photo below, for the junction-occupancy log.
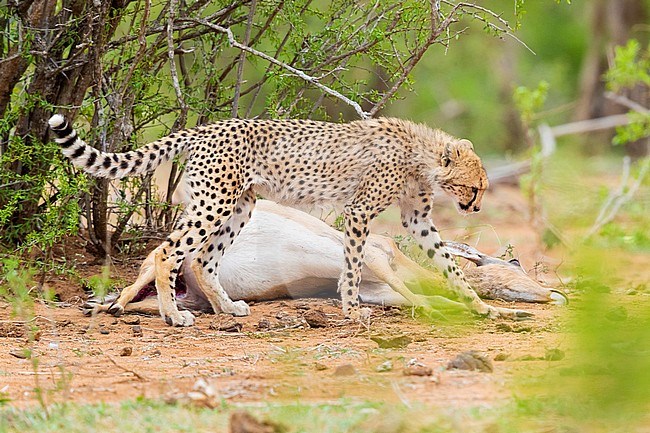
(207, 264)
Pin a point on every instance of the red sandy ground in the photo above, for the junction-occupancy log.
(79, 358)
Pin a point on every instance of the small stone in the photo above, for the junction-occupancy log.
(392, 343)
(320, 367)
(155, 352)
(104, 331)
(302, 306)
(264, 324)
(126, 351)
(501, 356)
(506, 327)
(137, 330)
(316, 318)
(243, 422)
(385, 366)
(131, 320)
(616, 314)
(529, 358)
(417, 370)
(345, 370)
(471, 360)
(554, 355)
(227, 325)
(21, 353)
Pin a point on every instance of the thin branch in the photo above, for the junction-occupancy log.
(626, 102)
(233, 43)
(507, 30)
(436, 31)
(620, 196)
(172, 63)
(242, 59)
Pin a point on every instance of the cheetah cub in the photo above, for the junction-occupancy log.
(364, 166)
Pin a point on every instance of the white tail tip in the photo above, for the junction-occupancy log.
(56, 121)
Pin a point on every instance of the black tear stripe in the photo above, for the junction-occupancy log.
(471, 202)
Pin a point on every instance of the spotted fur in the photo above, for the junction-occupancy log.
(364, 166)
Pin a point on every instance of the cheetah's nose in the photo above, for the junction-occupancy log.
(477, 208)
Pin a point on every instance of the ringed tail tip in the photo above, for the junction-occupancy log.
(57, 121)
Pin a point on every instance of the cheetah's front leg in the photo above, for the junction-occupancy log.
(415, 218)
(356, 232)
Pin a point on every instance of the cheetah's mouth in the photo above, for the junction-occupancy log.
(469, 207)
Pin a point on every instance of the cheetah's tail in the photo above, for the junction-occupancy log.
(112, 165)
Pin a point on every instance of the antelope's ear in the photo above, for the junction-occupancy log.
(464, 143)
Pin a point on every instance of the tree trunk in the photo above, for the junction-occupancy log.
(613, 22)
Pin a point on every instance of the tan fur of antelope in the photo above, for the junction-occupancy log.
(284, 252)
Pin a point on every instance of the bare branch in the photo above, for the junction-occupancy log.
(627, 102)
(435, 31)
(620, 196)
(242, 59)
(172, 63)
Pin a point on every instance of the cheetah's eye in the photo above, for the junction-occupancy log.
(446, 160)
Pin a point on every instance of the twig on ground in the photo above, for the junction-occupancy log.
(121, 367)
(620, 196)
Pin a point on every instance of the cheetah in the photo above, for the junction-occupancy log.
(363, 166)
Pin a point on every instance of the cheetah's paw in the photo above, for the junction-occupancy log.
(237, 308)
(179, 318)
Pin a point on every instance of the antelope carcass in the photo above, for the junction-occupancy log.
(285, 253)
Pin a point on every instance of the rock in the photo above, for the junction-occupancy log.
(501, 356)
(554, 355)
(11, 330)
(320, 367)
(616, 314)
(21, 353)
(345, 370)
(264, 324)
(227, 325)
(506, 327)
(126, 351)
(243, 422)
(131, 320)
(104, 331)
(385, 366)
(417, 370)
(203, 394)
(316, 318)
(471, 360)
(392, 343)
(137, 330)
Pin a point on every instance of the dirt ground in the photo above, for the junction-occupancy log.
(274, 354)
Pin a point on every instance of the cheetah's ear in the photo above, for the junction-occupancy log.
(466, 144)
(446, 155)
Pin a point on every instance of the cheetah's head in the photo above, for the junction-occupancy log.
(462, 176)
